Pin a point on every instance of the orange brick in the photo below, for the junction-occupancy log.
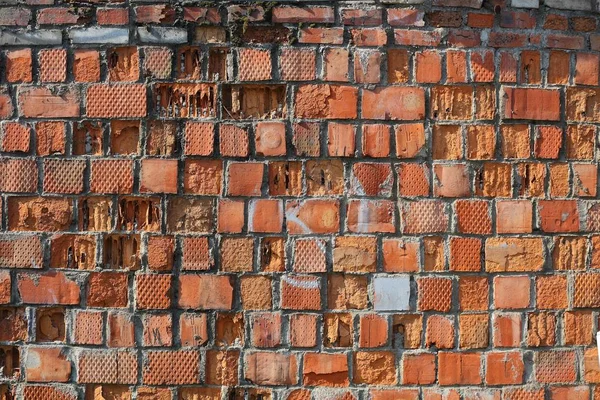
(396, 103)
(459, 368)
(373, 331)
(418, 368)
(324, 369)
(512, 292)
(507, 330)
(504, 368)
(428, 66)
(514, 216)
(465, 254)
(551, 292)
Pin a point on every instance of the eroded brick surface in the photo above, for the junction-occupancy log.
(299, 200)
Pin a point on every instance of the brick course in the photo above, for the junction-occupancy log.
(275, 200)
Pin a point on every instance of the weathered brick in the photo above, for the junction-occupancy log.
(535, 104)
(393, 103)
(44, 102)
(202, 202)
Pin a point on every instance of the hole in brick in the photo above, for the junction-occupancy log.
(123, 64)
(122, 252)
(254, 101)
(185, 100)
(266, 253)
(272, 254)
(229, 329)
(73, 252)
(188, 63)
(161, 138)
(139, 214)
(406, 331)
(124, 137)
(95, 214)
(285, 178)
(87, 138)
(217, 64)
(50, 324)
(9, 361)
(338, 330)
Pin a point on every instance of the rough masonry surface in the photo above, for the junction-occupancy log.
(387, 200)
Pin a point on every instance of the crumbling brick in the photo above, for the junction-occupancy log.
(295, 201)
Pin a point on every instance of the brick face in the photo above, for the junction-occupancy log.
(299, 200)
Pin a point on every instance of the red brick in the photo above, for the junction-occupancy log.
(357, 16)
(5, 287)
(312, 216)
(19, 66)
(230, 216)
(555, 366)
(335, 64)
(428, 67)
(512, 292)
(157, 330)
(482, 66)
(369, 37)
(265, 216)
(408, 37)
(108, 289)
(439, 332)
(86, 66)
(111, 176)
(245, 179)
(305, 15)
(63, 15)
(456, 66)
(88, 327)
(48, 288)
(53, 65)
(158, 176)
(270, 139)
(586, 69)
(565, 41)
(171, 367)
(112, 16)
(200, 292)
(341, 140)
(459, 368)
(303, 330)
(266, 368)
(155, 14)
(116, 101)
(326, 101)
(50, 137)
(367, 63)
(48, 364)
(504, 368)
(300, 292)
(324, 369)
(395, 103)
(41, 102)
(558, 215)
(321, 35)
(374, 367)
(451, 180)
(535, 104)
(254, 65)
(418, 368)
(514, 216)
(507, 39)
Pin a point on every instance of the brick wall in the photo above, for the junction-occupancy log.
(358, 201)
